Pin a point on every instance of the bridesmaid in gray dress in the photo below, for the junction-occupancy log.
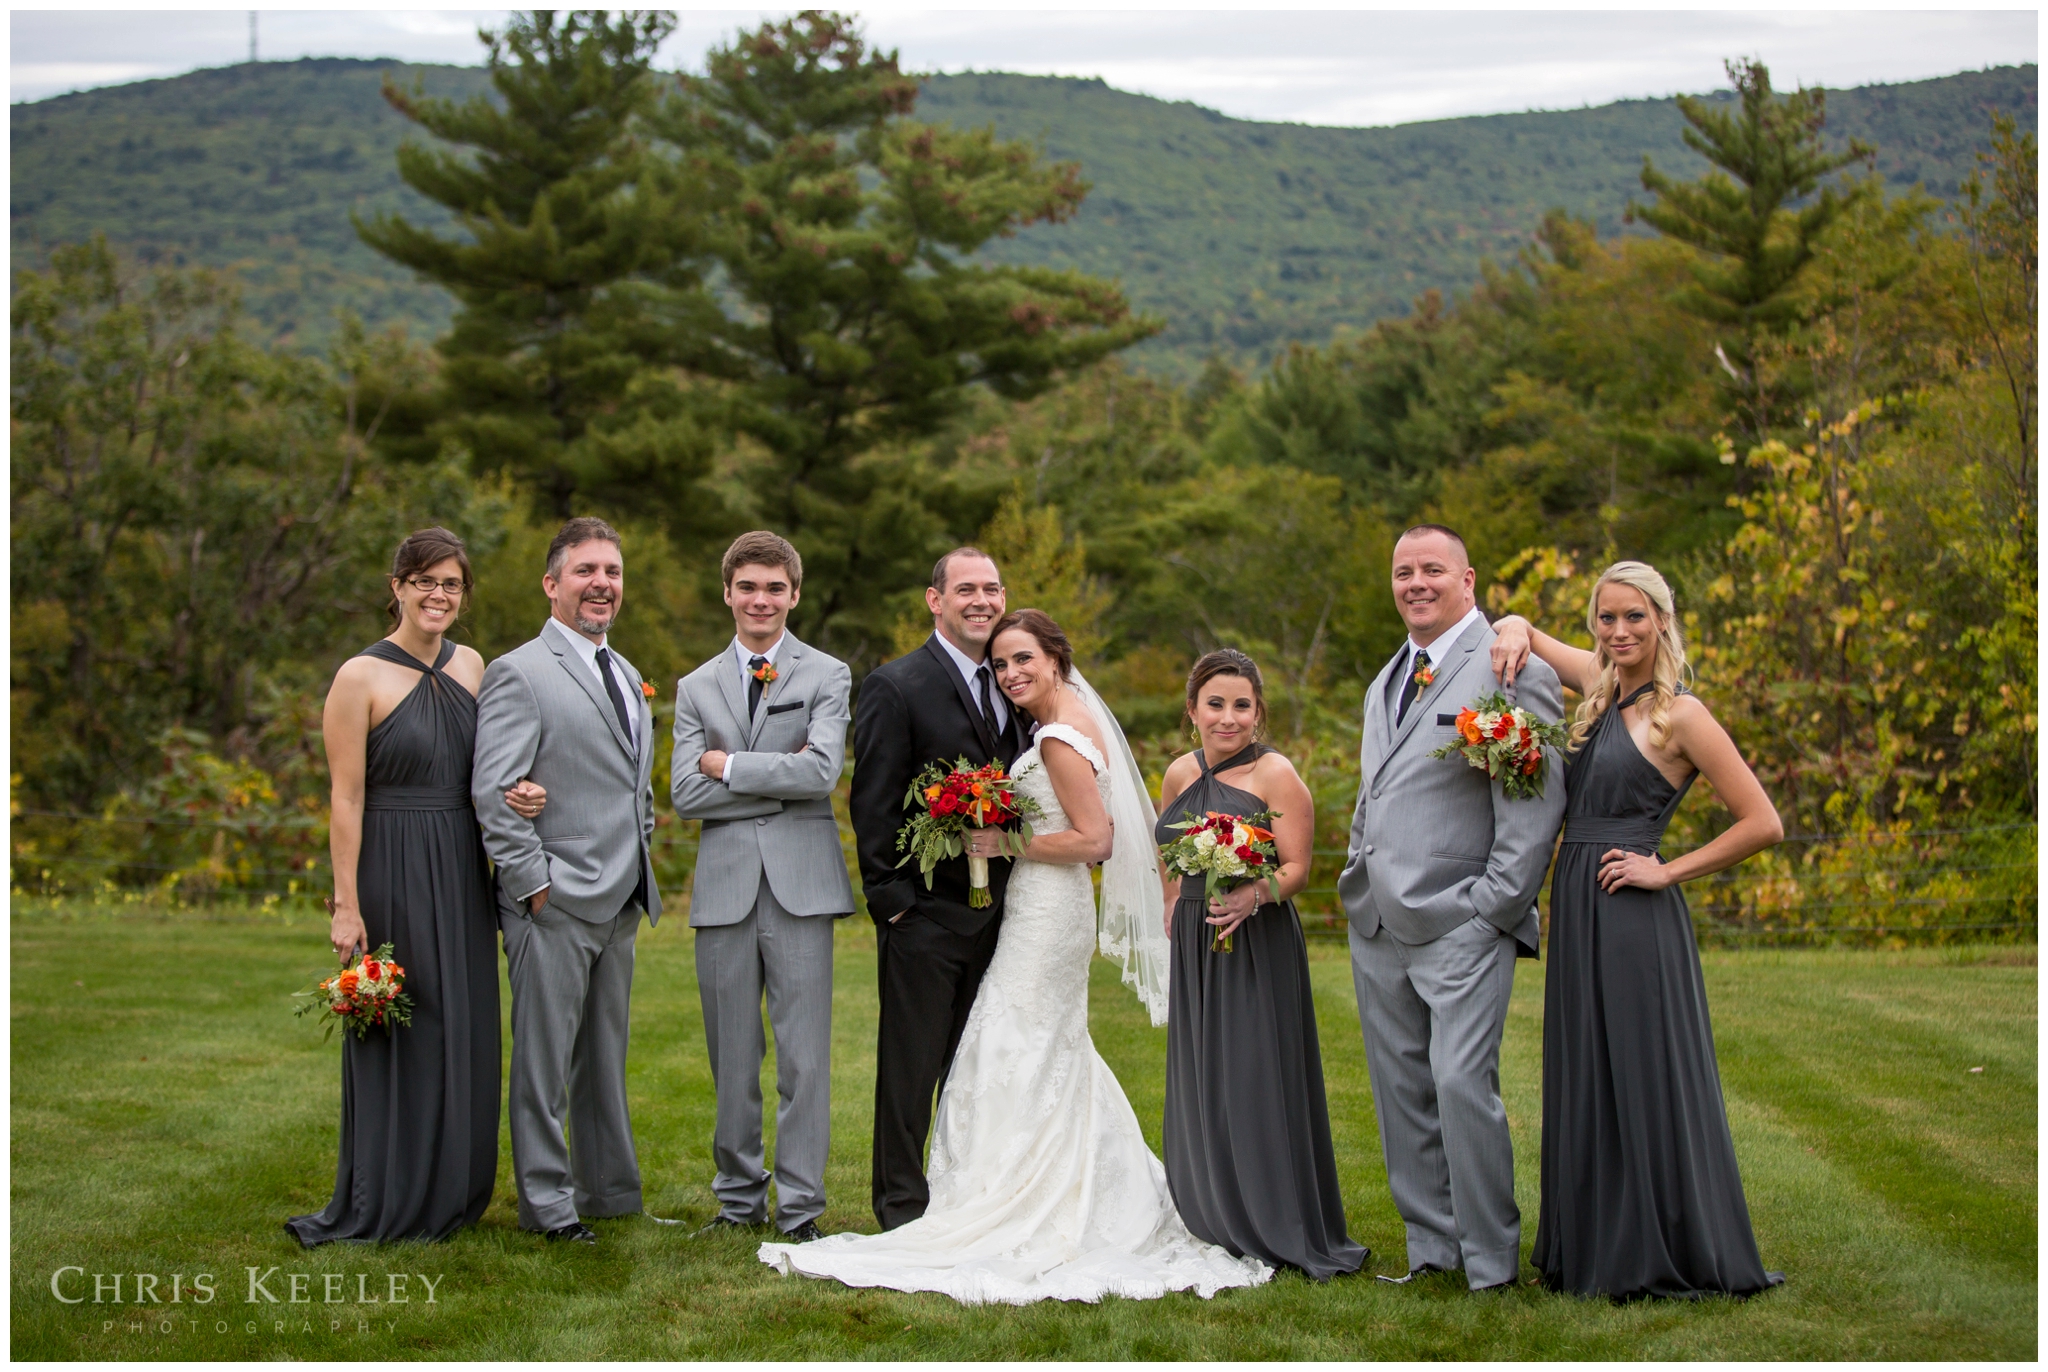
(419, 1104)
(1640, 1191)
(1248, 1152)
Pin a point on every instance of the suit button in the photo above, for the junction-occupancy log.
(1375, 795)
(1368, 850)
(762, 821)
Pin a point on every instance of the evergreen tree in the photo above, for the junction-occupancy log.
(842, 231)
(571, 268)
(1767, 156)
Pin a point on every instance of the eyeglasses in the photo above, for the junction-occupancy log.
(426, 585)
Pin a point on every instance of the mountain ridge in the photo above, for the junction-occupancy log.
(1243, 235)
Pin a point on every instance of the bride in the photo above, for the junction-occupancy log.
(1042, 1187)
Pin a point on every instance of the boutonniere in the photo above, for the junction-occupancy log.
(647, 690)
(765, 673)
(1425, 673)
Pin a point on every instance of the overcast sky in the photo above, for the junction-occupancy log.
(1331, 66)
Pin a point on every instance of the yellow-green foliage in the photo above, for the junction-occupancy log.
(1857, 581)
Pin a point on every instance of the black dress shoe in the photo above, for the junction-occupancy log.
(803, 1233)
(724, 1224)
(575, 1231)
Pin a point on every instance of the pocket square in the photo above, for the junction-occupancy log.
(1447, 719)
(786, 705)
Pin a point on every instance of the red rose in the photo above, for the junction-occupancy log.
(1500, 730)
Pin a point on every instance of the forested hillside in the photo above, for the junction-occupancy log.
(1243, 237)
(1247, 236)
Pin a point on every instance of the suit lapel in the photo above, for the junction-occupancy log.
(981, 726)
(584, 677)
(1448, 671)
(1375, 726)
(732, 684)
(792, 653)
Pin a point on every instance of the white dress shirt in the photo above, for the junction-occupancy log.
(587, 651)
(746, 656)
(1441, 642)
(967, 667)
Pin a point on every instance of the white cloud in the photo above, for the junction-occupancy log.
(1330, 66)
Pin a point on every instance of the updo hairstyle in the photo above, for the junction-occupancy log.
(1052, 640)
(421, 550)
(1228, 662)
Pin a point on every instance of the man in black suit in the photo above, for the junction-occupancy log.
(936, 704)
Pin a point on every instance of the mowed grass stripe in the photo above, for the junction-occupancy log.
(1900, 1198)
(1872, 1070)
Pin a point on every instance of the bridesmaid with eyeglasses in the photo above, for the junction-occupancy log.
(419, 1103)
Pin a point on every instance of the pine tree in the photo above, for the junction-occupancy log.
(572, 267)
(1741, 215)
(842, 232)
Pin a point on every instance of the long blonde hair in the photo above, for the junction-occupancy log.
(1667, 672)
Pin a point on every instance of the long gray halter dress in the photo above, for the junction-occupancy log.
(1248, 1151)
(1640, 1192)
(419, 1104)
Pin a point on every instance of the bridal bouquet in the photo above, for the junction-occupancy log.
(953, 800)
(371, 993)
(1506, 742)
(1225, 851)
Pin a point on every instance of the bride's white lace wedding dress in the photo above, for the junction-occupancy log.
(1042, 1187)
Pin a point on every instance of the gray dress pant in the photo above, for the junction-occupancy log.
(1433, 1015)
(789, 957)
(572, 986)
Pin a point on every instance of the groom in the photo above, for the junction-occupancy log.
(938, 703)
(1440, 887)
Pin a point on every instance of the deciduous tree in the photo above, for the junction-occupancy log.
(190, 514)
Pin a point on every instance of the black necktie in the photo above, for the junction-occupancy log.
(982, 682)
(611, 688)
(754, 684)
(1411, 687)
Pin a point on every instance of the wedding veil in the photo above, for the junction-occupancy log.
(1131, 923)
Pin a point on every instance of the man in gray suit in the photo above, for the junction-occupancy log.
(760, 739)
(568, 711)
(1440, 886)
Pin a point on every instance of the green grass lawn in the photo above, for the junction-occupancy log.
(168, 1113)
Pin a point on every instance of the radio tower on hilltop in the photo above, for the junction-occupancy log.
(252, 35)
